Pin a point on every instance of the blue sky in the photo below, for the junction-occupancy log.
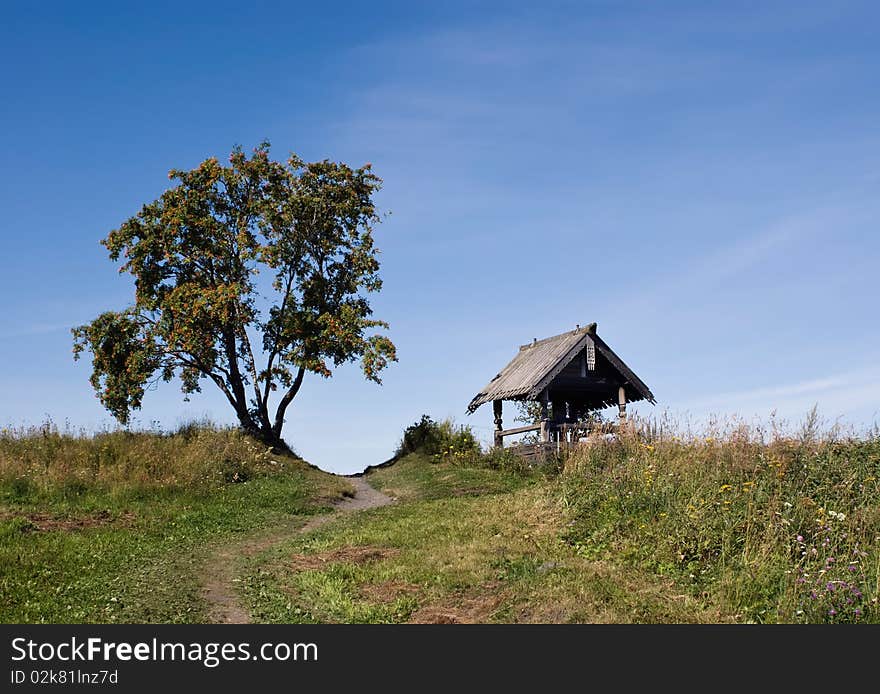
(700, 179)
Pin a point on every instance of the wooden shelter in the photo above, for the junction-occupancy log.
(571, 375)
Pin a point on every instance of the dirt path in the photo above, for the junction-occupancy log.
(218, 576)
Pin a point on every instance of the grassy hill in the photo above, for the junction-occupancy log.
(115, 528)
(740, 527)
(650, 529)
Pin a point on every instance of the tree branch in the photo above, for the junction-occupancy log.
(189, 360)
(235, 380)
(275, 350)
(262, 404)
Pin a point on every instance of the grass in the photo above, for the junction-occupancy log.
(777, 529)
(418, 477)
(114, 528)
(738, 526)
(463, 544)
(741, 525)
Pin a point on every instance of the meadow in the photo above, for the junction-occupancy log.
(759, 525)
(733, 524)
(739, 525)
(115, 527)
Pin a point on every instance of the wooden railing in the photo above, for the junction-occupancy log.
(553, 437)
(501, 433)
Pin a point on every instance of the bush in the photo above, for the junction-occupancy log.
(446, 442)
(441, 440)
(505, 460)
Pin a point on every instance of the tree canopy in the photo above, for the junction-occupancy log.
(248, 276)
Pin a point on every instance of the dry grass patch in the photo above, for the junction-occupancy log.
(46, 522)
(467, 607)
(347, 555)
(387, 591)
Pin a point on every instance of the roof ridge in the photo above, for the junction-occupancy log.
(588, 328)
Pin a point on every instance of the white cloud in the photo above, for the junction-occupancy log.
(852, 395)
(16, 332)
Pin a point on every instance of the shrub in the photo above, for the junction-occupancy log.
(505, 460)
(441, 440)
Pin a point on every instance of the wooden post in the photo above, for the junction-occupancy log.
(545, 416)
(621, 404)
(496, 409)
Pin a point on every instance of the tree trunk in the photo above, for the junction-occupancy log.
(247, 424)
(285, 402)
(276, 443)
(265, 436)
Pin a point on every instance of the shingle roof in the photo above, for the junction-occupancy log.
(537, 363)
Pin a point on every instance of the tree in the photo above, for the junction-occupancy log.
(248, 276)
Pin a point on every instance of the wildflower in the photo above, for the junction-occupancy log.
(857, 612)
(830, 587)
(724, 488)
(832, 612)
(800, 538)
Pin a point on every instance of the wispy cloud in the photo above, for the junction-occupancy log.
(837, 394)
(731, 260)
(16, 332)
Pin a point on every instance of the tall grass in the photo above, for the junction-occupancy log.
(766, 524)
(45, 459)
(114, 527)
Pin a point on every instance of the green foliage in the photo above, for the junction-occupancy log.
(527, 411)
(505, 460)
(199, 314)
(439, 439)
(420, 436)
